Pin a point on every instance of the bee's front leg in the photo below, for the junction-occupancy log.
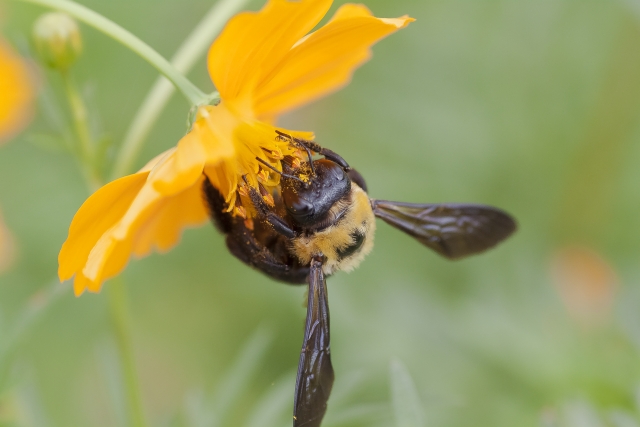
(266, 214)
(329, 154)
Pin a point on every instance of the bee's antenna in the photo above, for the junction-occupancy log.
(286, 175)
(299, 144)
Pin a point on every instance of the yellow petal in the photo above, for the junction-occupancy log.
(180, 169)
(224, 176)
(157, 159)
(253, 43)
(150, 220)
(16, 93)
(209, 142)
(98, 213)
(324, 61)
(108, 257)
(215, 127)
(80, 284)
(163, 230)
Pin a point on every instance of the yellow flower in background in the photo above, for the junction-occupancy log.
(263, 64)
(16, 99)
(16, 92)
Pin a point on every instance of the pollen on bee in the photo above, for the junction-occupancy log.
(292, 162)
(248, 223)
(269, 199)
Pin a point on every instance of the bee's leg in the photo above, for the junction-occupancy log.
(242, 243)
(314, 146)
(266, 214)
(336, 158)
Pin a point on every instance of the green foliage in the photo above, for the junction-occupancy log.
(532, 106)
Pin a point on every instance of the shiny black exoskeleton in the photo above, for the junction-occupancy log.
(309, 202)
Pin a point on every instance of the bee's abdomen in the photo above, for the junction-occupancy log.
(358, 239)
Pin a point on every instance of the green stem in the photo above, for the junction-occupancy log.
(119, 308)
(83, 134)
(117, 296)
(184, 59)
(194, 95)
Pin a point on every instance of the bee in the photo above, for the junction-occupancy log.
(319, 221)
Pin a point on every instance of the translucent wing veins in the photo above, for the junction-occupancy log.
(315, 373)
(452, 230)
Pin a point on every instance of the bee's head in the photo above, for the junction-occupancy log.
(308, 203)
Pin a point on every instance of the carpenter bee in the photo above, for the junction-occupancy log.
(320, 221)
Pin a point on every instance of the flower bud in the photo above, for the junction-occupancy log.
(57, 40)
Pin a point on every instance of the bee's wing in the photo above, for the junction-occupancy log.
(315, 373)
(452, 230)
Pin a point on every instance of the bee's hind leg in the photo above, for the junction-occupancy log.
(243, 244)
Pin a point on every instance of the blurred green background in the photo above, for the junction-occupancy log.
(533, 106)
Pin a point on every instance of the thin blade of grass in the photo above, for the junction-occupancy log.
(347, 387)
(214, 411)
(274, 407)
(406, 403)
(14, 336)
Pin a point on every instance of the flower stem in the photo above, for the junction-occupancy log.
(194, 95)
(117, 296)
(184, 59)
(119, 308)
(83, 134)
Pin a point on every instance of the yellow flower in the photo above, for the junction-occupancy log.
(16, 92)
(16, 98)
(263, 64)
